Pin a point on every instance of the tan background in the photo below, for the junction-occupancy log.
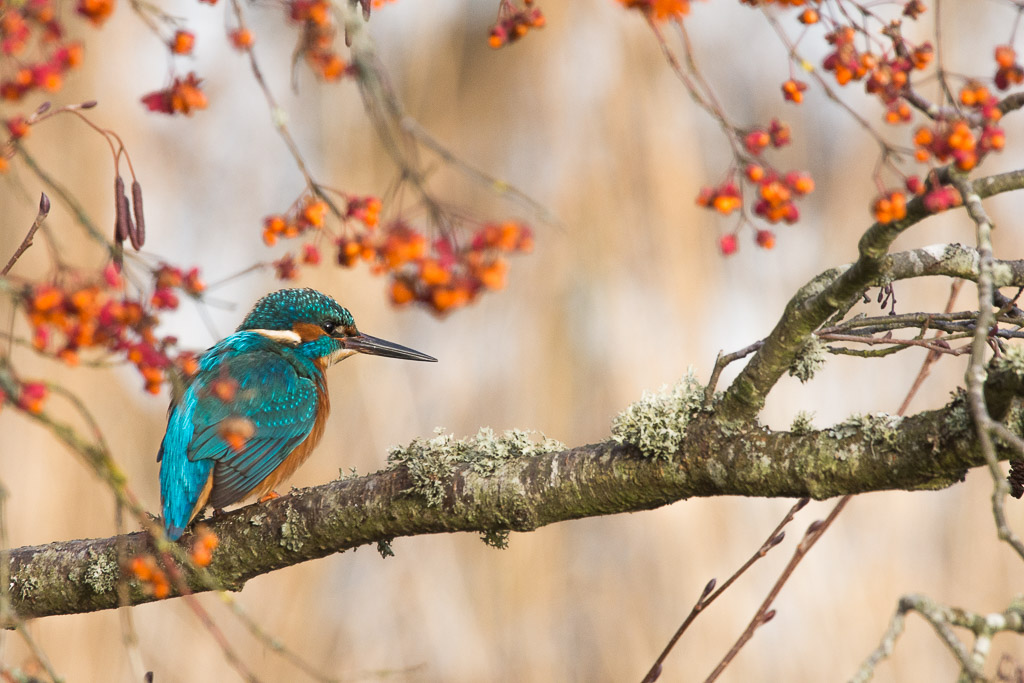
(630, 291)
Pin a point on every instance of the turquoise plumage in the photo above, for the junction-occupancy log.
(256, 407)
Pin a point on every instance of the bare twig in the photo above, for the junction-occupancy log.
(764, 614)
(44, 211)
(709, 594)
(976, 373)
(720, 363)
(933, 355)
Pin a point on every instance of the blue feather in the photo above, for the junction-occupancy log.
(276, 395)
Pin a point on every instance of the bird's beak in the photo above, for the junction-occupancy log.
(364, 343)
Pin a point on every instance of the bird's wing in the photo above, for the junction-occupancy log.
(239, 418)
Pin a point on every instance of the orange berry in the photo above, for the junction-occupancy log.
(1005, 56)
(726, 204)
(161, 589)
(401, 293)
(432, 273)
(923, 137)
(494, 275)
(809, 16)
(183, 42)
(241, 38)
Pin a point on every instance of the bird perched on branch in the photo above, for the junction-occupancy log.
(256, 407)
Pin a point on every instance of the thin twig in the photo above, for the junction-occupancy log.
(763, 614)
(933, 355)
(720, 362)
(707, 597)
(44, 211)
(976, 373)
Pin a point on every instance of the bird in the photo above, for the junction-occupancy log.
(256, 407)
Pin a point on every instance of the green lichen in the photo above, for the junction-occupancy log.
(878, 428)
(958, 417)
(101, 574)
(384, 548)
(803, 423)
(496, 538)
(25, 587)
(293, 531)
(1011, 360)
(656, 424)
(808, 360)
(487, 452)
(431, 462)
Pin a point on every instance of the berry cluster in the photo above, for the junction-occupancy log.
(31, 397)
(758, 139)
(451, 276)
(793, 90)
(1009, 71)
(776, 192)
(182, 96)
(67, 319)
(308, 213)
(514, 22)
(153, 578)
(35, 51)
(955, 139)
(316, 42)
(202, 549)
(890, 206)
(441, 275)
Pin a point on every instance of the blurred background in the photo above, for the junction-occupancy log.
(625, 294)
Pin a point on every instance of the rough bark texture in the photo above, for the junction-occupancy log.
(928, 451)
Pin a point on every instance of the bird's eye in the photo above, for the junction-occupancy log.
(329, 326)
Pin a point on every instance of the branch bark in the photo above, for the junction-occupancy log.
(930, 450)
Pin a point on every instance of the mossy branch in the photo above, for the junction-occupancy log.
(489, 484)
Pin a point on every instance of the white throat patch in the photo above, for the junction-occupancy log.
(339, 355)
(284, 336)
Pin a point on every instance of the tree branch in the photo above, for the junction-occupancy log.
(814, 303)
(481, 493)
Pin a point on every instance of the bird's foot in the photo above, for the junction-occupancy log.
(270, 496)
(217, 512)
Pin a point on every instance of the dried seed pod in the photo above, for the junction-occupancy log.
(120, 212)
(140, 221)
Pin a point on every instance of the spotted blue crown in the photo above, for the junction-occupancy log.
(280, 310)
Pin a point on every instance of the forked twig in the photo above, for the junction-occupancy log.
(764, 614)
(709, 594)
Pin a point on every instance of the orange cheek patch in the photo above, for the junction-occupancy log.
(308, 332)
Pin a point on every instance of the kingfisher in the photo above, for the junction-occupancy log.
(256, 407)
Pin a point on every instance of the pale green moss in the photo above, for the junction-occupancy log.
(656, 424)
(430, 462)
(294, 532)
(958, 417)
(1012, 360)
(803, 423)
(808, 360)
(101, 574)
(880, 428)
(496, 538)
